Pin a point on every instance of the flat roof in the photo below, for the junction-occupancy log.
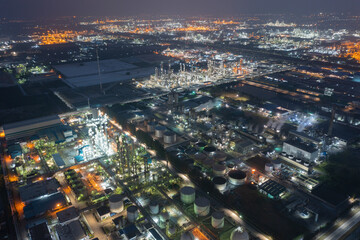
(58, 160)
(71, 231)
(298, 144)
(67, 214)
(40, 232)
(91, 68)
(38, 189)
(30, 122)
(42, 205)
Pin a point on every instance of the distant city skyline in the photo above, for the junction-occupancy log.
(46, 8)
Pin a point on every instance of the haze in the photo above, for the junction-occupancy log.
(49, 8)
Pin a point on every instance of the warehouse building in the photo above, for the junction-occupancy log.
(30, 127)
(298, 149)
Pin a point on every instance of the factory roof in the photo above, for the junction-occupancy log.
(305, 136)
(91, 68)
(272, 188)
(58, 160)
(40, 206)
(301, 145)
(40, 232)
(41, 188)
(72, 231)
(103, 210)
(155, 234)
(68, 214)
(29, 127)
(130, 231)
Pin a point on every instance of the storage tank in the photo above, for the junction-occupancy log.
(200, 157)
(237, 177)
(116, 203)
(132, 213)
(187, 195)
(189, 162)
(151, 126)
(169, 137)
(208, 162)
(217, 219)
(239, 234)
(210, 150)
(201, 145)
(202, 206)
(269, 167)
(277, 164)
(219, 156)
(159, 131)
(220, 183)
(154, 207)
(187, 236)
(219, 170)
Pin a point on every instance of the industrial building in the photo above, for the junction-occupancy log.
(71, 231)
(67, 216)
(37, 190)
(301, 150)
(40, 232)
(272, 189)
(111, 70)
(30, 127)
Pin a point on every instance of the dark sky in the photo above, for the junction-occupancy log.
(48, 8)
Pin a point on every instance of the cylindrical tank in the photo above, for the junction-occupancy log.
(219, 170)
(200, 157)
(151, 126)
(219, 156)
(237, 177)
(154, 207)
(220, 183)
(208, 162)
(277, 164)
(210, 150)
(268, 167)
(239, 234)
(169, 137)
(159, 131)
(202, 206)
(132, 213)
(187, 236)
(201, 145)
(116, 203)
(217, 219)
(187, 195)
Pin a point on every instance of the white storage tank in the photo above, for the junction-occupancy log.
(200, 157)
(187, 236)
(116, 203)
(132, 213)
(219, 170)
(159, 131)
(219, 156)
(169, 137)
(217, 219)
(220, 183)
(268, 167)
(187, 195)
(239, 234)
(202, 206)
(151, 126)
(277, 164)
(154, 207)
(237, 177)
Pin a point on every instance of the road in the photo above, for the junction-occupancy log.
(344, 228)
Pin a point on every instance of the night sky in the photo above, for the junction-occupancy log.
(48, 8)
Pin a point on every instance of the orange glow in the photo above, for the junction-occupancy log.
(224, 22)
(30, 145)
(2, 134)
(352, 50)
(253, 171)
(8, 159)
(199, 235)
(195, 28)
(55, 37)
(13, 178)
